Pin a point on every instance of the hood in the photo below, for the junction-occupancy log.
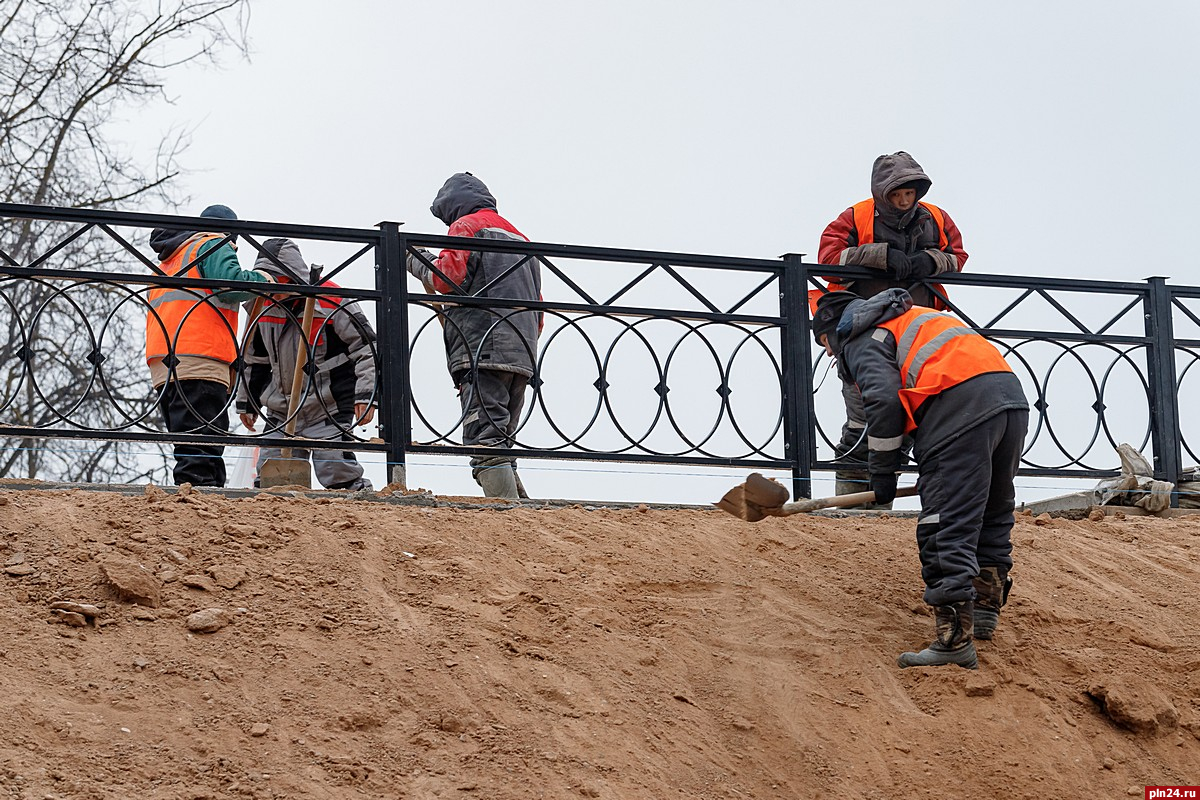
(288, 253)
(862, 315)
(889, 173)
(462, 194)
(164, 242)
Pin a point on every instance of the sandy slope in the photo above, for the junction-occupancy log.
(400, 652)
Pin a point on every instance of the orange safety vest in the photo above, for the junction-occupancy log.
(935, 352)
(864, 224)
(183, 321)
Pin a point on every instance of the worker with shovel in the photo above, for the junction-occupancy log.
(341, 390)
(923, 372)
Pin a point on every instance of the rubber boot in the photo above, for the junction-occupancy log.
(953, 645)
(497, 478)
(853, 482)
(521, 493)
(991, 593)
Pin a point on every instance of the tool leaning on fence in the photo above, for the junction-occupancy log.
(759, 498)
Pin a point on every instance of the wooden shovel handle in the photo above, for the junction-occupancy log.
(310, 304)
(840, 501)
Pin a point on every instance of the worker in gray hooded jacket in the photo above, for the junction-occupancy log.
(491, 352)
(906, 240)
(340, 393)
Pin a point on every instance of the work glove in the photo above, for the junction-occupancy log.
(883, 484)
(923, 265)
(418, 268)
(898, 263)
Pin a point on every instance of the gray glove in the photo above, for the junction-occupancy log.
(420, 270)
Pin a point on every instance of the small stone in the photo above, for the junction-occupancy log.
(260, 729)
(1043, 519)
(131, 582)
(642, 508)
(176, 556)
(143, 614)
(154, 492)
(1108, 763)
(20, 570)
(140, 536)
(71, 618)
(14, 559)
(228, 576)
(86, 609)
(1096, 515)
(208, 620)
(980, 686)
(198, 582)
(1136, 704)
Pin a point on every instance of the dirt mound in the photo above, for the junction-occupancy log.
(337, 648)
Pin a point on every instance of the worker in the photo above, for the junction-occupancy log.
(924, 373)
(191, 342)
(340, 390)
(907, 240)
(491, 352)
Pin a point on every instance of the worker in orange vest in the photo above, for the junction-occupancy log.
(191, 342)
(924, 373)
(909, 241)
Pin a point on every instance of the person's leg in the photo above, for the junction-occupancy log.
(487, 420)
(994, 553)
(516, 405)
(196, 406)
(954, 484)
(336, 469)
(852, 448)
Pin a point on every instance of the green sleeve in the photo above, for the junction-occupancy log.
(220, 263)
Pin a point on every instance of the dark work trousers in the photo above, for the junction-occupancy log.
(197, 407)
(967, 498)
(491, 409)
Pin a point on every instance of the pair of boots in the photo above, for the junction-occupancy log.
(959, 624)
(499, 478)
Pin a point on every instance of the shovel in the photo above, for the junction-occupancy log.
(759, 498)
(285, 470)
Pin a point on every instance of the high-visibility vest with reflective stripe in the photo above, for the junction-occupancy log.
(864, 226)
(186, 322)
(935, 352)
(864, 221)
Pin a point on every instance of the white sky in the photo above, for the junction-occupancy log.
(1055, 133)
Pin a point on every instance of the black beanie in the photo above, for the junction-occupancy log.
(829, 312)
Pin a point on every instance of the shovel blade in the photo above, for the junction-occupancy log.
(734, 502)
(285, 472)
(765, 493)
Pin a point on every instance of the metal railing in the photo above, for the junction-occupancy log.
(645, 356)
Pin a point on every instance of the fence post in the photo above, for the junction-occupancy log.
(1164, 397)
(395, 414)
(799, 418)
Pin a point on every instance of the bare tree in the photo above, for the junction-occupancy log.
(70, 353)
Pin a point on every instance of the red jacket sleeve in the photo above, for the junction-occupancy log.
(838, 235)
(453, 263)
(954, 242)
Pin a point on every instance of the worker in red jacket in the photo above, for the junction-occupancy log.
(907, 240)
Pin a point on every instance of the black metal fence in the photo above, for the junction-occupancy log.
(654, 357)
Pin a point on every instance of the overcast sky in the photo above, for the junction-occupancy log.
(1056, 134)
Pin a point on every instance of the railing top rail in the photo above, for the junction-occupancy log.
(1013, 281)
(98, 217)
(141, 279)
(594, 253)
